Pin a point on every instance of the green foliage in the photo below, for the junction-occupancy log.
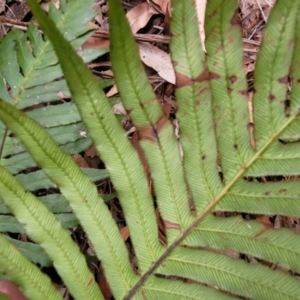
(31, 79)
(211, 95)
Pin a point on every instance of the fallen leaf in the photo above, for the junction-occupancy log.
(119, 109)
(265, 220)
(80, 161)
(95, 42)
(139, 16)
(103, 284)
(158, 60)
(125, 233)
(9, 289)
(163, 6)
(113, 91)
(91, 151)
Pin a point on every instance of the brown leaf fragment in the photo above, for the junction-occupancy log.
(147, 134)
(233, 79)
(243, 92)
(162, 230)
(162, 6)
(92, 162)
(292, 223)
(235, 19)
(139, 16)
(161, 123)
(283, 79)
(214, 76)
(91, 151)
(271, 97)
(62, 95)
(9, 289)
(103, 284)
(167, 107)
(183, 80)
(265, 220)
(158, 60)
(204, 76)
(95, 42)
(80, 161)
(170, 225)
(169, 89)
(125, 233)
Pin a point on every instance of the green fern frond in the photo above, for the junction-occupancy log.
(248, 237)
(45, 229)
(156, 133)
(27, 276)
(220, 169)
(79, 191)
(193, 96)
(30, 75)
(112, 143)
(232, 275)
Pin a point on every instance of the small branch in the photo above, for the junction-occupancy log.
(153, 38)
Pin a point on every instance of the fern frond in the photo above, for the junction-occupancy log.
(271, 88)
(235, 154)
(34, 252)
(158, 288)
(39, 65)
(228, 86)
(156, 133)
(278, 246)
(34, 284)
(80, 192)
(45, 229)
(270, 198)
(193, 97)
(114, 149)
(30, 73)
(236, 276)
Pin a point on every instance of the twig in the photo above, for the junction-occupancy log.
(251, 42)
(154, 38)
(262, 12)
(6, 20)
